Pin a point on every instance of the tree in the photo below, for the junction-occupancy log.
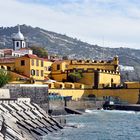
(39, 51)
(75, 76)
(4, 78)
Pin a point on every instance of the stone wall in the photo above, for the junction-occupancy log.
(37, 93)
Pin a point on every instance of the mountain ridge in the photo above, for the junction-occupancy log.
(60, 44)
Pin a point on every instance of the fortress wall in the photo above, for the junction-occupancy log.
(128, 95)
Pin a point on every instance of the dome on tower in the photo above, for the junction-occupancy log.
(19, 35)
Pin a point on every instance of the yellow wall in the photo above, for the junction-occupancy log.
(69, 85)
(47, 65)
(62, 65)
(132, 84)
(76, 94)
(78, 86)
(92, 66)
(58, 76)
(88, 78)
(59, 85)
(37, 68)
(76, 64)
(105, 78)
(24, 70)
(129, 95)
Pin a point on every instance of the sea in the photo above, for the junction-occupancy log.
(100, 125)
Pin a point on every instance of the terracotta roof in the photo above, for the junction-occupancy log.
(7, 60)
(33, 56)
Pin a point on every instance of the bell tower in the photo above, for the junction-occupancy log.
(18, 40)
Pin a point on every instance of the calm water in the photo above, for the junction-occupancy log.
(101, 125)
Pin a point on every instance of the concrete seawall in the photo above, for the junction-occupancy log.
(22, 120)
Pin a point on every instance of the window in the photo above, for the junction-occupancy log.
(42, 64)
(22, 62)
(58, 67)
(37, 72)
(32, 62)
(37, 62)
(42, 73)
(32, 72)
(17, 44)
(49, 68)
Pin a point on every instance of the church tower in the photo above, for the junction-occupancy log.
(18, 40)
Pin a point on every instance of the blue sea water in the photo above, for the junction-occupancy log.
(101, 125)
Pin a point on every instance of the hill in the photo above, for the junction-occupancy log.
(59, 44)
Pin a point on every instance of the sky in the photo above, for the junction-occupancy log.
(109, 23)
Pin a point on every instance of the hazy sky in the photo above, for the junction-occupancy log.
(114, 23)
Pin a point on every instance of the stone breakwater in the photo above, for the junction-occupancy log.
(22, 120)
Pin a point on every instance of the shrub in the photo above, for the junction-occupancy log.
(74, 76)
(4, 78)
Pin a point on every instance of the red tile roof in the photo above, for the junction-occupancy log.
(7, 60)
(33, 56)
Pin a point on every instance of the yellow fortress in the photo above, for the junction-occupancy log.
(99, 78)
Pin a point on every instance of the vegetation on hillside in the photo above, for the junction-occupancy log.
(39, 51)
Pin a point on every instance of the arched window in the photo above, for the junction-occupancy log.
(17, 44)
(32, 72)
